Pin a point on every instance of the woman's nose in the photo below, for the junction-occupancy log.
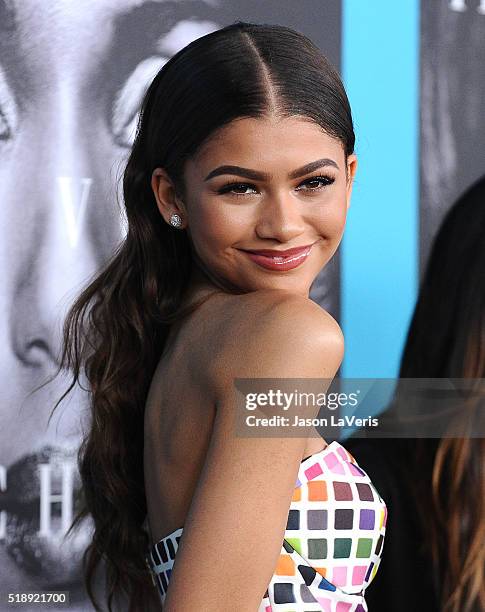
(58, 260)
(61, 242)
(280, 218)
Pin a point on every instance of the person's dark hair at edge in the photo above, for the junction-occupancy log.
(115, 331)
(446, 339)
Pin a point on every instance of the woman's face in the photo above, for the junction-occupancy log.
(279, 197)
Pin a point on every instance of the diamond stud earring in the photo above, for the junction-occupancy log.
(175, 220)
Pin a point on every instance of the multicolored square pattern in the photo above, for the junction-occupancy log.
(333, 540)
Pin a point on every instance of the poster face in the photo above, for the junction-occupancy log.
(72, 76)
(452, 130)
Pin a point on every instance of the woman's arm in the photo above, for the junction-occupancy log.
(235, 527)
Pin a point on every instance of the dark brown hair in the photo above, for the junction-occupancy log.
(446, 339)
(115, 331)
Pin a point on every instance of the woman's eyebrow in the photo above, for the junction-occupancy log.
(264, 176)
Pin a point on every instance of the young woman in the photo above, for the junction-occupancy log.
(236, 194)
(435, 488)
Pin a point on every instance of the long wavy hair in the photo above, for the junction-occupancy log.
(446, 339)
(115, 331)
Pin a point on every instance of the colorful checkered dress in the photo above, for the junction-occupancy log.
(332, 545)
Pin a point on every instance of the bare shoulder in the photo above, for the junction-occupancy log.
(247, 482)
(275, 333)
(268, 310)
(282, 308)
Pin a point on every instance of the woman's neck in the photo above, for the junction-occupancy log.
(199, 285)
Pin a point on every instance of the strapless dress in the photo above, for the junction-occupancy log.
(333, 540)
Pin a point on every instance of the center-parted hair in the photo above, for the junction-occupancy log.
(115, 331)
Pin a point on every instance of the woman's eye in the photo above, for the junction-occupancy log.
(233, 187)
(318, 182)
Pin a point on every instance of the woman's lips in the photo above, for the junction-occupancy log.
(280, 260)
(49, 558)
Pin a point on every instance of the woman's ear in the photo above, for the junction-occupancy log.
(351, 170)
(165, 194)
